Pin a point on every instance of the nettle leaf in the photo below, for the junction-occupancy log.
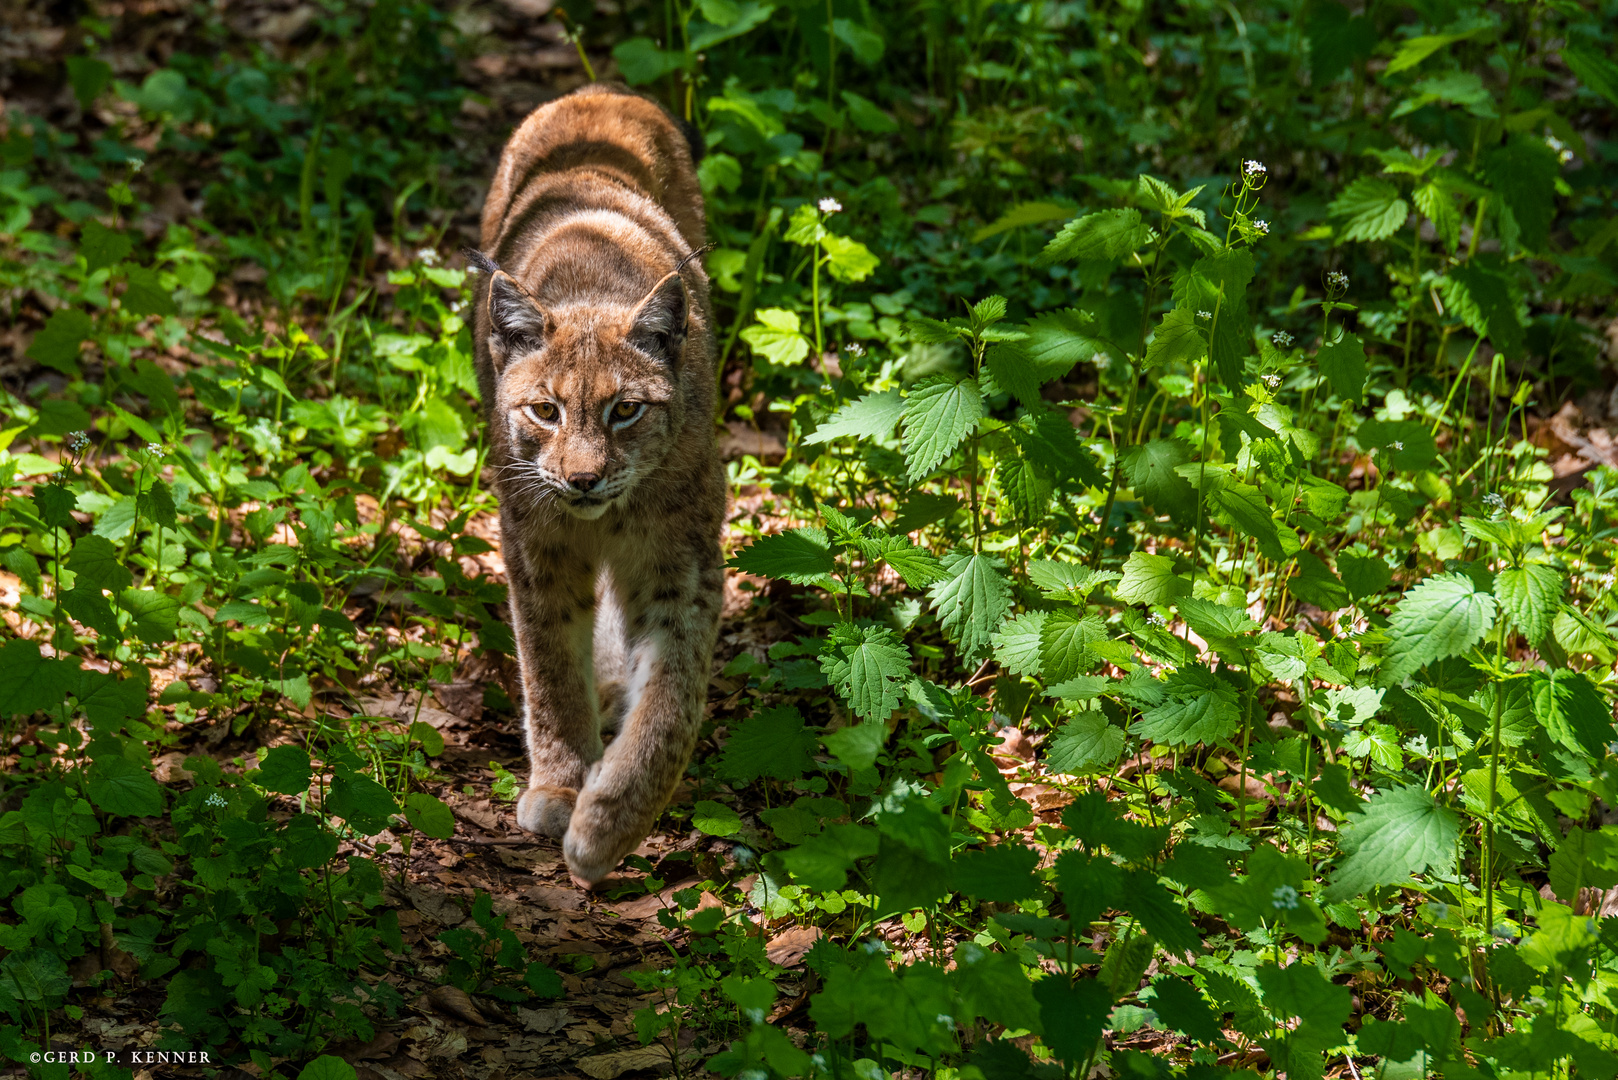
(772, 742)
(1059, 339)
(1014, 373)
(119, 786)
(1067, 581)
(1371, 209)
(972, 600)
(1210, 717)
(1437, 203)
(1444, 616)
(1177, 340)
(1025, 213)
(801, 556)
(1523, 173)
(1252, 514)
(155, 616)
(1483, 301)
(1064, 640)
(939, 413)
(145, 294)
(1182, 1007)
(1002, 874)
(1314, 583)
(1105, 234)
(101, 246)
(1215, 622)
(1531, 595)
(1150, 469)
(1024, 487)
(868, 666)
(1399, 833)
(1083, 744)
(1150, 579)
(1017, 643)
(778, 337)
(1050, 441)
(871, 417)
(1573, 711)
(1343, 364)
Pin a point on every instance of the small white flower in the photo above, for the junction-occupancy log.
(1282, 339)
(428, 256)
(216, 800)
(1156, 620)
(1494, 501)
(1204, 314)
(830, 206)
(1102, 361)
(946, 1020)
(1272, 380)
(1284, 898)
(855, 349)
(1397, 445)
(136, 164)
(78, 440)
(1254, 168)
(1263, 227)
(1337, 280)
(456, 306)
(154, 448)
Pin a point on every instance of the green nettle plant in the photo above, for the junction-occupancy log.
(1190, 651)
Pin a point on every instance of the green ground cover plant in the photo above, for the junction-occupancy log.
(1183, 598)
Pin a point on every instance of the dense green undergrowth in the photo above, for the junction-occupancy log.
(1157, 380)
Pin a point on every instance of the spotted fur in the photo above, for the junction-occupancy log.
(595, 350)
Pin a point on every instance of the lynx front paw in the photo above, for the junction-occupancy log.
(546, 810)
(590, 858)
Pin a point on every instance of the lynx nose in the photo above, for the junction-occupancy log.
(583, 481)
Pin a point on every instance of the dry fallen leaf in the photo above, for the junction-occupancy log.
(789, 947)
(610, 1066)
(544, 1021)
(453, 1001)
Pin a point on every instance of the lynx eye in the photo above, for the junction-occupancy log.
(625, 411)
(544, 412)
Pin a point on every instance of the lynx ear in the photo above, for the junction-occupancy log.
(516, 325)
(658, 325)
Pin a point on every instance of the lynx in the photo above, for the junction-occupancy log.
(595, 353)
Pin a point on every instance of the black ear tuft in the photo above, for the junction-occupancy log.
(515, 324)
(479, 261)
(658, 326)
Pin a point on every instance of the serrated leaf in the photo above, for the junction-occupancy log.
(1598, 73)
(868, 666)
(1437, 204)
(57, 345)
(847, 259)
(1314, 583)
(428, 815)
(1023, 486)
(145, 294)
(1531, 595)
(1399, 833)
(1016, 643)
(1104, 234)
(119, 786)
(1342, 362)
(1370, 209)
(1413, 51)
(1083, 744)
(1405, 445)
(1444, 616)
(772, 742)
(1066, 581)
(101, 246)
(1364, 575)
(1215, 622)
(285, 770)
(1523, 173)
(1573, 711)
(1014, 373)
(872, 416)
(1002, 874)
(1182, 1007)
(155, 615)
(1050, 441)
(95, 562)
(1177, 340)
(972, 600)
(1059, 339)
(857, 745)
(1218, 284)
(1250, 514)
(1209, 718)
(1150, 470)
(1150, 579)
(801, 556)
(1026, 213)
(1483, 301)
(1160, 914)
(916, 565)
(777, 336)
(939, 413)
(1064, 639)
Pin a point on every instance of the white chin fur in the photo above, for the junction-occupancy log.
(588, 512)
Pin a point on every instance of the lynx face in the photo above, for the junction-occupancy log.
(589, 396)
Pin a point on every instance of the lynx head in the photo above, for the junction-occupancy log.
(589, 394)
